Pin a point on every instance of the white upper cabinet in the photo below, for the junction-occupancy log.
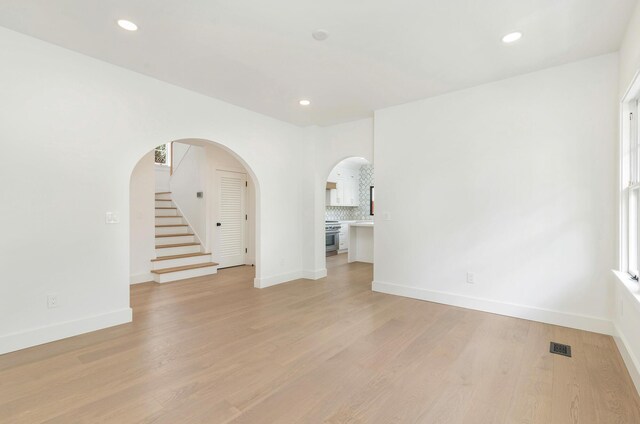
(347, 191)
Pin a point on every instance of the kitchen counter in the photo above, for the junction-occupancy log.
(362, 224)
(361, 242)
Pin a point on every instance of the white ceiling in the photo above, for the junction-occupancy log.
(260, 54)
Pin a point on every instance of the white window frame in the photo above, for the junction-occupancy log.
(630, 181)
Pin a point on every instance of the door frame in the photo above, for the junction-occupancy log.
(214, 216)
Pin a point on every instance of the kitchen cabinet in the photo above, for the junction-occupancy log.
(347, 191)
(343, 239)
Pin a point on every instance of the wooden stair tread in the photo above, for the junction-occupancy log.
(174, 235)
(163, 200)
(163, 207)
(186, 255)
(172, 225)
(165, 246)
(168, 216)
(183, 268)
(163, 192)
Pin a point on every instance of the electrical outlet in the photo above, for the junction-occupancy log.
(471, 278)
(112, 218)
(52, 301)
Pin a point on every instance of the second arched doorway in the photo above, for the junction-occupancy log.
(194, 210)
(349, 212)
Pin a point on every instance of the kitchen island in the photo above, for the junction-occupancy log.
(361, 242)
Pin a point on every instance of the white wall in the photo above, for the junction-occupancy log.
(325, 148)
(627, 300)
(178, 150)
(513, 181)
(75, 128)
(190, 175)
(142, 221)
(162, 176)
(630, 52)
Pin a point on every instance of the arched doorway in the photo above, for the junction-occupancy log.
(349, 208)
(194, 209)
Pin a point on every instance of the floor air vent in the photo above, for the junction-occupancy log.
(560, 349)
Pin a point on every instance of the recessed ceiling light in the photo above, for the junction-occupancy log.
(128, 25)
(320, 34)
(304, 102)
(512, 37)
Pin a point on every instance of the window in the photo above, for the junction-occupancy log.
(630, 187)
(371, 200)
(163, 154)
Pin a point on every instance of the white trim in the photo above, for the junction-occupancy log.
(630, 292)
(314, 275)
(630, 360)
(628, 92)
(62, 330)
(581, 322)
(141, 278)
(629, 287)
(261, 283)
(627, 134)
(265, 282)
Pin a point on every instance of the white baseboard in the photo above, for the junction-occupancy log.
(630, 360)
(36, 336)
(314, 275)
(265, 282)
(141, 278)
(581, 322)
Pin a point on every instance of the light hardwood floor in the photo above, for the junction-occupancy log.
(216, 350)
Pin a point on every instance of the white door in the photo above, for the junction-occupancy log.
(231, 220)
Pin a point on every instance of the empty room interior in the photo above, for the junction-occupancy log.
(320, 212)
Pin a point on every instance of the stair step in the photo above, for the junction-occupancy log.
(163, 200)
(183, 268)
(171, 229)
(169, 220)
(186, 255)
(163, 192)
(165, 246)
(174, 235)
(162, 207)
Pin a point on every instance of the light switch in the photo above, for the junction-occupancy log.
(112, 218)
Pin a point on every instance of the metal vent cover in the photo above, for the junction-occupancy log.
(560, 349)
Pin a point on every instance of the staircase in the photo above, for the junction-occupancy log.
(178, 253)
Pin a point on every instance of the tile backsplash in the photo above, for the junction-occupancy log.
(366, 181)
(342, 213)
(353, 213)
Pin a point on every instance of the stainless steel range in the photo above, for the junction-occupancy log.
(332, 236)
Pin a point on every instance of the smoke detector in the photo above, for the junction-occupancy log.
(320, 34)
